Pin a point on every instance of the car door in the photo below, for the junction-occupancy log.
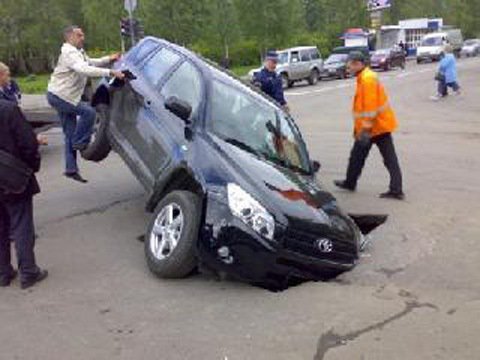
(295, 66)
(305, 62)
(136, 124)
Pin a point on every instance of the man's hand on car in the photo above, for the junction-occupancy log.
(117, 74)
(115, 57)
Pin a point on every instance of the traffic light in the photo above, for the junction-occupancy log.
(125, 27)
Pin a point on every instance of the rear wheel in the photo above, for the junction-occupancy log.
(172, 235)
(313, 78)
(99, 147)
(285, 81)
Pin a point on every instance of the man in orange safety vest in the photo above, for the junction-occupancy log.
(374, 123)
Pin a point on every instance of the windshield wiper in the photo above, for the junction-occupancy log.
(242, 146)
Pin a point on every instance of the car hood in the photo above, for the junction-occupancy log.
(290, 196)
(334, 65)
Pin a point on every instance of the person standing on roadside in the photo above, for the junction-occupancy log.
(447, 75)
(9, 89)
(269, 81)
(18, 147)
(374, 123)
(65, 90)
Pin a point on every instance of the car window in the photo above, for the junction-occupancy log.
(186, 84)
(141, 51)
(158, 65)
(314, 54)
(294, 56)
(305, 56)
(256, 127)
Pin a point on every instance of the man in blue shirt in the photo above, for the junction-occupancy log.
(9, 89)
(269, 81)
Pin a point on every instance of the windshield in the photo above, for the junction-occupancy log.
(256, 126)
(471, 42)
(336, 58)
(283, 58)
(433, 41)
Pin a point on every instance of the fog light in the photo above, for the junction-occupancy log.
(224, 255)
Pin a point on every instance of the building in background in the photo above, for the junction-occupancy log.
(416, 29)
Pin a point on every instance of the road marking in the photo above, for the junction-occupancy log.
(403, 75)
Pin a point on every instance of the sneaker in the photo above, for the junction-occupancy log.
(342, 185)
(76, 176)
(436, 97)
(392, 195)
(41, 275)
(7, 280)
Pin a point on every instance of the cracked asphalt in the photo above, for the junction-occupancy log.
(414, 295)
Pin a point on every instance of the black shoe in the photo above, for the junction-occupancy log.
(79, 147)
(6, 281)
(393, 195)
(342, 185)
(76, 176)
(42, 275)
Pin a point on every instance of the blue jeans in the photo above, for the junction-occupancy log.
(443, 87)
(77, 132)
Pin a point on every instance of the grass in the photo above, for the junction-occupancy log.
(242, 70)
(33, 84)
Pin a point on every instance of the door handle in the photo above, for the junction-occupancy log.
(147, 103)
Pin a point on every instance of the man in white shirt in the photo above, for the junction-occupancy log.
(65, 90)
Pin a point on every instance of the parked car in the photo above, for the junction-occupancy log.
(471, 47)
(297, 64)
(348, 49)
(433, 45)
(335, 67)
(229, 179)
(386, 59)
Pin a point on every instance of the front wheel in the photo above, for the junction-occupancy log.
(172, 235)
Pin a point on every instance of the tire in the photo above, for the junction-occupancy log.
(179, 261)
(286, 83)
(419, 61)
(100, 147)
(313, 78)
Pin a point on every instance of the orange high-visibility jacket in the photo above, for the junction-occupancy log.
(371, 109)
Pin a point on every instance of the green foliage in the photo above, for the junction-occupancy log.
(33, 84)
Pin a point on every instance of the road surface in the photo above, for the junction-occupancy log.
(414, 295)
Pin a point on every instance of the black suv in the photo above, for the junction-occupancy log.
(229, 179)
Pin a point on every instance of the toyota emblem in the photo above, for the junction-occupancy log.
(324, 245)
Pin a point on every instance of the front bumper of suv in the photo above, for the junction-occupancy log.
(228, 245)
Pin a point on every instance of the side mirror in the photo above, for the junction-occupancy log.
(316, 166)
(180, 108)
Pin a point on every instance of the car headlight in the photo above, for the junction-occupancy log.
(249, 210)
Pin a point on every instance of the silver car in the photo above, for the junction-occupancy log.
(297, 64)
(471, 48)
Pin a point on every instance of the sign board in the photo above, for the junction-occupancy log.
(376, 5)
(130, 5)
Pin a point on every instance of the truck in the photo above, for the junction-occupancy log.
(433, 45)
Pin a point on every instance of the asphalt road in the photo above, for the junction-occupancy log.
(414, 295)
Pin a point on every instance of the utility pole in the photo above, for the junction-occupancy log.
(130, 6)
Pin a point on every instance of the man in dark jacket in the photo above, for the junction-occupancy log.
(16, 210)
(269, 81)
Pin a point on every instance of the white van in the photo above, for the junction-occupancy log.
(433, 45)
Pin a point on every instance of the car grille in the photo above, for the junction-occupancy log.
(344, 244)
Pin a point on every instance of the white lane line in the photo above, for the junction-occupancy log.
(404, 75)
